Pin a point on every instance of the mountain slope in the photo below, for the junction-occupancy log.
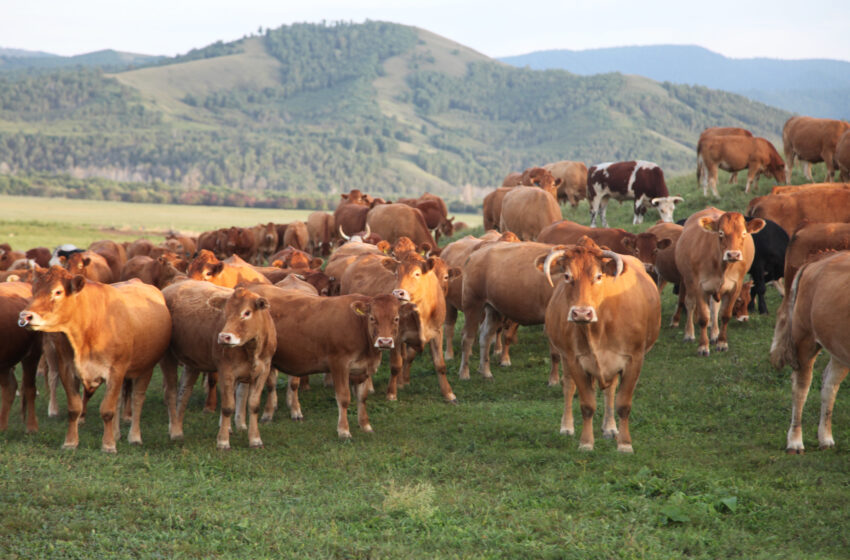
(307, 111)
(816, 87)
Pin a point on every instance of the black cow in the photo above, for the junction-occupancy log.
(769, 262)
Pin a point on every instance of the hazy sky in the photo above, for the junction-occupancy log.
(739, 28)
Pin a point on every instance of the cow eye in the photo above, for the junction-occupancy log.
(598, 277)
(721, 234)
(395, 319)
(568, 277)
(57, 293)
(246, 314)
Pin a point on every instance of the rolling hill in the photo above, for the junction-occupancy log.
(304, 112)
(816, 87)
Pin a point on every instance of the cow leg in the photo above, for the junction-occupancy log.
(440, 366)
(690, 308)
(292, 398)
(801, 380)
(140, 387)
(472, 315)
(327, 380)
(567, 422)
(603, 207)
(594, 209)
(833, 375)
(75, 403)
(752, 179)
(8, 386)
(227, 387)
(703, 312)
(168, 364)
(680, 305)
(396, 365)
(449, 330)
(807, 171)
(109, 412)
(609, 425)
(339, 370)
(241, 403)
(126, 400)
(733, 178)
(29, 365)
(554, 361)
(51, 365)
(509, 336)
(486, 334)
(362, 391)
(409, 355)
(254, 395)
(713, 312)
(587, 399)
(211, 403)
(624, 402)
(727, 304)
(187, 383)
(271, 397)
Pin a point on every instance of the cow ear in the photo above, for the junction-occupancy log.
(390, 264)
(216, 268)
(455, 272)
(261, 303)
(316, 263)
(609, 267)
(86, 261)
(360, 308)
(558, 182)
(755, 225)
(677, 199)
(628, 243)
(664, 243)
(431, 263)
(13, 278)
(218, 301)
(708, 224)
(384, 246)
(76, 284)
(424, 248)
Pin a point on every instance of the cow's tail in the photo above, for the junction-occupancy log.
(782, 350)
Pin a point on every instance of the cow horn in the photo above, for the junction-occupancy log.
(547, 264)
(342, 233)
(617, 259)
(368, 231)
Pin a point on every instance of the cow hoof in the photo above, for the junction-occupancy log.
(553, 383)
(505, 363)
(298, 417)
(828, 444)
(208, 410)
(744, 319)
(70, 446)
(344, 434)
(674, 324)
(722, 347)
(109, 449)
(53, 414)
(452, 400)
(266, 418)
(689, 338)
(223, 445)
(625, 448)
(610, 434)
(134, 442)
(392, 397)
(176, 437)
(702, 351)
(368, 429)
(463, 374)
(256, 444)
(487, 377)
(795, 451)
(242, 427)
(585, 447)
(568, 431)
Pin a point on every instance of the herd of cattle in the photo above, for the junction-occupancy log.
(333, 294)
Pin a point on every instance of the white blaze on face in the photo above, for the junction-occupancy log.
(665, 206)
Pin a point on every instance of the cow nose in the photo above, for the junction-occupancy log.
(384, 342)
(24, 318)
(227, 338)
(582, 314)
(403, 295)
(732, 256)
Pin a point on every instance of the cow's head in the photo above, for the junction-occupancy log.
(205, 266)
(665, 206)
(247, 317)
(382, 314)
(447, 227)
(739, 310)
(53, 299)
(77, 263)
(414, 273)
(776, 167)
(587, 270)
(731, 229)
(645, 246)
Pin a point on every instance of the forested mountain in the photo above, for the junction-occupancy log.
(303, 112)
(817, 87)
(14, 59)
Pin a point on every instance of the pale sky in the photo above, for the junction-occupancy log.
(735, 28)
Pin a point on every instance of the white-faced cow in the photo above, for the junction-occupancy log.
(641, 181)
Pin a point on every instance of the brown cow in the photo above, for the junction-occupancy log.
(526, 212)
(813, 315)
(238, 241)
(8, 257)
(265, 236)
(713, 254)
(41, 256)
(344, 335)
(573, 180)
(19, 346)
(812, 239)
(297, 236)
(665, 263)
(818, 203)
(734, 153)
(114, 254)
(217, 329)
(115, 332)
(500, 282)
(320, 226)
(842, 158)
(492, 207)
(512, 179)
(183, 245)
(812, 140)
(393, 221)
(158, 272)
(603, 317)
(91, 265)
(434, 211)
(207, 267)
(719, 131)
(350, 214)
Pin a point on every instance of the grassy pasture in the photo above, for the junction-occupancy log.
(488, 478)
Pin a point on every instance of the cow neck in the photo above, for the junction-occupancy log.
(88, 324)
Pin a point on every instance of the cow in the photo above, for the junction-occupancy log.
(238, 241)
(499, 283)
(342, 258)
(644, 245)
(113, 253)
(344, 335)
(91, 265)
(114, 332)
(492, 207)
(393, 221)
(216, 329)
(424, 283)
(811, 141)
(809, 241)
(207, 267)
(158, 272)
(265, 237)
(641, 181)
(719, 131)
(320, 227)
(734, 153)
(813, 316)
(350, 213)
(665, 259)
(526, 212)
(434, 211)
(210, 241)
(512, 179)
(182, 245)
(19, 346)
(817, 203)
(713, 254)
(572, 187)
(297, 236)
(41, 256)
(842, 157)
(602, 318)
(770, 244)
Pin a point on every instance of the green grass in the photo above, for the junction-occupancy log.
(488, 478)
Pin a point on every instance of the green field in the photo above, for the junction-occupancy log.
(488, 478)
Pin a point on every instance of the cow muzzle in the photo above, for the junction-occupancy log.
(584, 314)
(28, 319)
(403, 295)
(229, 339)
(733, 256)
(384, 342)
